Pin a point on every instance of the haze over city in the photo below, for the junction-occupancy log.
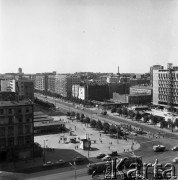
(74, 36)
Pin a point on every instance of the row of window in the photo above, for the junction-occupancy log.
(11, 141)
(11, 130)
(11, 111)
(167, 75)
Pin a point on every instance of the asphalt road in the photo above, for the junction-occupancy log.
(145, 151)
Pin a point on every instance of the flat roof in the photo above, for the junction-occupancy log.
(142, 87)
(51, 123)
(15, 103)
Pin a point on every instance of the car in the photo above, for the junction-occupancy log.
(175, 148)
(48, 164)
(113, 153)
(175, 160)
(78, 159)
(60, 162)
(107, 158)
(133, 133)
(100, 155)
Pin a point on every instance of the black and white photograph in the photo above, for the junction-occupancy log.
(88, 89)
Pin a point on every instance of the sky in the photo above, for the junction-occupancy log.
(71, 36)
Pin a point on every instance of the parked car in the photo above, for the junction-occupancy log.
(159, 148)
(60, 162)
(175, 160)
(78, 159)
(100, 155)
(113, 153)
(107, 158)
(48, 164)
(175, 148)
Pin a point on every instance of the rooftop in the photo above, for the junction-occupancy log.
(15, 103)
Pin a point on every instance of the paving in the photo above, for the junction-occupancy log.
(101, 143)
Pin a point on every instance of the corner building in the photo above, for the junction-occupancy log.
(16, 130)
(163, 86)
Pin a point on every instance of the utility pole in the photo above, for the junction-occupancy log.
(45, 151)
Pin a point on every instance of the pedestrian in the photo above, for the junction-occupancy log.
(111, 143)
(101, 141)
(100, 134)
(124, 150)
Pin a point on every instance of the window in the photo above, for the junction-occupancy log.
(11, 131)
(27, 129)
(20, 130)
(28, 139)
(2, 131)
(10, 120)
(10, 111)
(11, 142)
(2, 143)
(20, 140)
(1, 111)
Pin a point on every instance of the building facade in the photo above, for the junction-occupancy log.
(25, 89)
(141, 90)
(51, 83)
(16, 130)
(41, 82)
(64, 83)
(165, 87)
(155, 67)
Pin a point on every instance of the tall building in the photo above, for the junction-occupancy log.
(154, 67)
(25, 89)
(165, 87)
(41, 82)
(51, 83)
(64, 84)
(16, 130)
(8, 85)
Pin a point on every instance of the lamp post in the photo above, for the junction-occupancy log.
(45, 150)
(74, 166)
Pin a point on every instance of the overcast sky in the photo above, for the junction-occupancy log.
(70, 36)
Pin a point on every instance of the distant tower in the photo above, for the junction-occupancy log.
(118, 71)
(20, 70)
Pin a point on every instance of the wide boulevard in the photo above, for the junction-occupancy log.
(168, 139)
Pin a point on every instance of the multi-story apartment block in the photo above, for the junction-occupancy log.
(141, 90)
(25, 89)
(155, 67)
(75, 91)
(64, 84)
(165, 87)
(92, 91)
(16, 130)
(51, 83)
(41, 82)
(7, 96)
(8, 85)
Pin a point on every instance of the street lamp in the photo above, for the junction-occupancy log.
(45, 150)
(74, 166)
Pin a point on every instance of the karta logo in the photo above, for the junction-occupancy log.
(139, 170)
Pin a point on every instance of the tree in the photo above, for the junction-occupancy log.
(145, 118)
(106, 127)
(87, 120)
(99, 125)
(112, 129)
(82, 117)
(78, 116)
(176, 123)
(125, 111)
(73, 113)
(119, 110)
(163, 124)
(131, 114)
(93, 123)
(113, 110)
